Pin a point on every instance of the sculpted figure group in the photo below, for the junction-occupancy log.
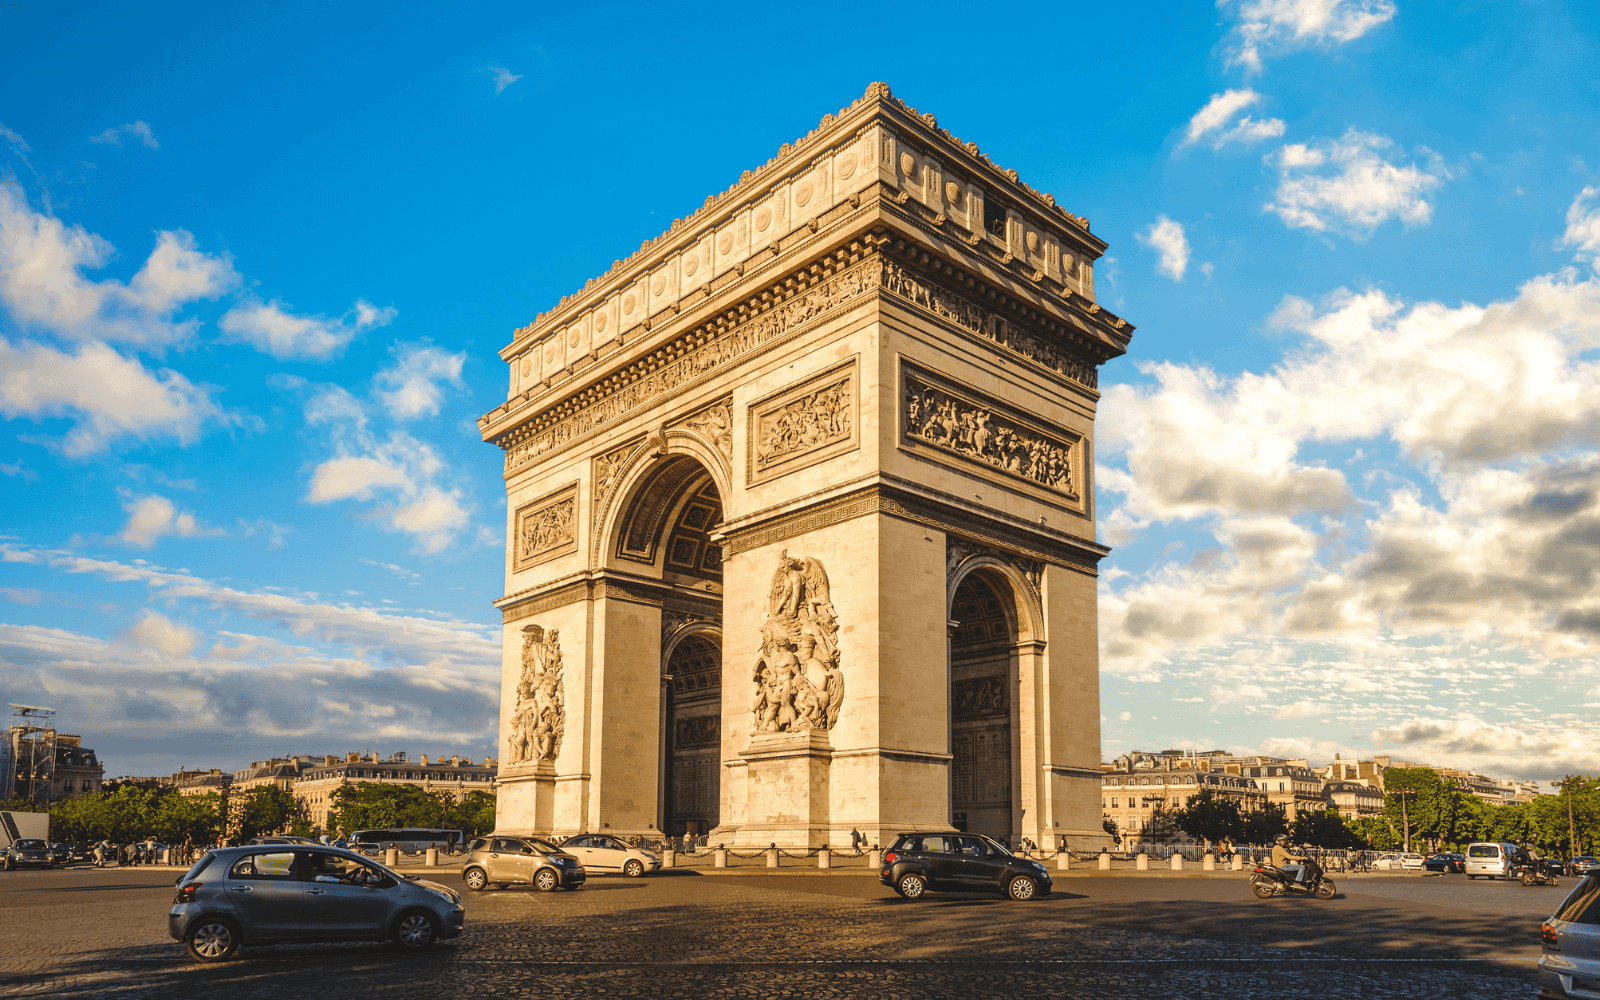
(799, 685)
(809, 422)
(540, 716)
(977, 433)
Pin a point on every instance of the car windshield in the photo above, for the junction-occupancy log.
(29, 845)
(997, 848)
(1583, 906)
(543, 846)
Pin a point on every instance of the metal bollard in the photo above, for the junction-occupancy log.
(1142, 862)
(1208, 863)
(1177, 862)
(669, 857)
(772, 856)
(391, 857)
(720, 859)
(1105, 861)
(431, 858)
(823, 860)
(875, 859)
(1238, 863)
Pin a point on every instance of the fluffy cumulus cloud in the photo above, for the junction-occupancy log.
(307, 668)
(1411, 496)
(412, 386)
(1216, 125)
(1352, 185)
(136, 131)
(274, 330)
(153, 517)
(1167, 239)
(1269, 28)
(403, 475)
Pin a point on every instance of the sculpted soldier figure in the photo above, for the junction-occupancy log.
(798, 642)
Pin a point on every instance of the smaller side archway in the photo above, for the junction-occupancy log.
(691, 679)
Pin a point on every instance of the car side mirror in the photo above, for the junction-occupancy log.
(177, 880)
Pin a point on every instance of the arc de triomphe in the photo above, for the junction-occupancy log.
(801, 516)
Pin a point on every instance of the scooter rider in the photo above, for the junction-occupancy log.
(1285, 860)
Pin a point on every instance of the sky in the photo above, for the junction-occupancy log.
(256, 260)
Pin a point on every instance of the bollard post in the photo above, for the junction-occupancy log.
(875, 859)
(1177, 862)
(772, 856)
(669, 857)
(391, 857)
(1238, 863)
(823, 860)
(1141, 863)
(1064, 861)
(720, 859)
(431, 857)
(1209, 862)
(1105, 861)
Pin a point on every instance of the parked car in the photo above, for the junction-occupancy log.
(284, 840)
(1583, 864)
(236, 897)
(503, 861)
(28, 853)
(598, 852)
(1491, 860)
(918, 862)
(1411, 862)
(1446, 861)
(1570, 965)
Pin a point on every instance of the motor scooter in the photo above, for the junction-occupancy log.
(1537, 871)
(1267, 881)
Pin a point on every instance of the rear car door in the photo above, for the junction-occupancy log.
(344, 898)
(267, 895)
(581, 848)
(944, 865)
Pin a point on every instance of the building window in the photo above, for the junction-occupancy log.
(994, 219)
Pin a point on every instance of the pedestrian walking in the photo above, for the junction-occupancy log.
(100, 854)
(855, 839)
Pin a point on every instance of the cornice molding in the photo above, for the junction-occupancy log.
(604, 584)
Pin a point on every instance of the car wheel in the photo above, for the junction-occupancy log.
(1261, 889)
(546, 880)
(212, 940)
(1021, 888)
(1326, 890)
(911, 886)
(633, 869)
(415, 931)
(476, 879)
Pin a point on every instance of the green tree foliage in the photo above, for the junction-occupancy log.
(180, 818)
(269, 809)
(1264, 824)
(134, 812)
(1109, 825)
(1211, 817)
(380, 806)
(1325, 828)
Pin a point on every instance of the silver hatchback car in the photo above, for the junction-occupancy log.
(1570, 966)
(502, 861)
(269, 893)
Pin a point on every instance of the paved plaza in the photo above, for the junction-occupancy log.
(94, 933)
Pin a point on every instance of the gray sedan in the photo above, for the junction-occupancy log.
(270, 893)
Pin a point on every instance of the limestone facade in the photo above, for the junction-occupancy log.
(754, 471)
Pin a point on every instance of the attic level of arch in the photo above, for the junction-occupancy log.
(1065, 340)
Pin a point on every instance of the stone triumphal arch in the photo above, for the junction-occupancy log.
(801, 517)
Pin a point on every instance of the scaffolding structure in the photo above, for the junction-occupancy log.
(31, 766)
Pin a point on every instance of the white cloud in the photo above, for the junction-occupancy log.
(410, 388)
(1212, 120)
(1277, 27)
(1298, 710)
(133, 130)
(156, 631)
(1583, 225)
(1166, 238)
(354, 477)
(503, 77)
(1350, 185)
(153, 517)
(43, 287)
(108, 396)
(273, 330)
(276, 533)
(1536, 750)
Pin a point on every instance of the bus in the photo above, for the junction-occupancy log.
(409, 840)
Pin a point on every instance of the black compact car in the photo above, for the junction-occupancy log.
(963, 862)
(1446, 862)
(29, 853)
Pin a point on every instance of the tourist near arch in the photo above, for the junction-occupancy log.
(801, 512)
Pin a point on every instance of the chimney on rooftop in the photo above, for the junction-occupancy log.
(424, 760)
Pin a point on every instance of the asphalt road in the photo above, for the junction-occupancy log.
(91, 933)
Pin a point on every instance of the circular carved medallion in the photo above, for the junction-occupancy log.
(1033, 242)
(908, 166)
(690, 265)
(847, 165)
(527, 367)
(802, 194)
(574, 337)
(599, 321)
(763, 219)
(659, 287)
(627, 303)
(952, 192)
(725, 242)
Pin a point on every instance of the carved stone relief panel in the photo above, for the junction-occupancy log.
(547, 527)
(798, 683)
(540, 717)
(978, 696)
(698, 731)
(804, 424)
(714, 426)
(940, 419)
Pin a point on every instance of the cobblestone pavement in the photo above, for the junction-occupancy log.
(87, 933)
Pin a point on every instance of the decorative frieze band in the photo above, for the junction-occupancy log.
(664, 597)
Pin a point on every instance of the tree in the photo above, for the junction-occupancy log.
(1325, 828)
(473, 816)
(1109, 825)
(269, 809)
(1262, 825)
(1211, 817)
(181, 817)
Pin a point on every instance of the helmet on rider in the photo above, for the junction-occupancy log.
(1282, 838)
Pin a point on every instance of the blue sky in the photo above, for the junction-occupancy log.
(255, 264)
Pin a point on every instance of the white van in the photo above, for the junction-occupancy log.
(1490, 860)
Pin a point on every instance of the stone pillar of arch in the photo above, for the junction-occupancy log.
(799, 418)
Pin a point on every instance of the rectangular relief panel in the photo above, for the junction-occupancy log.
(954, 424)
(547, 527)
(804, 424)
